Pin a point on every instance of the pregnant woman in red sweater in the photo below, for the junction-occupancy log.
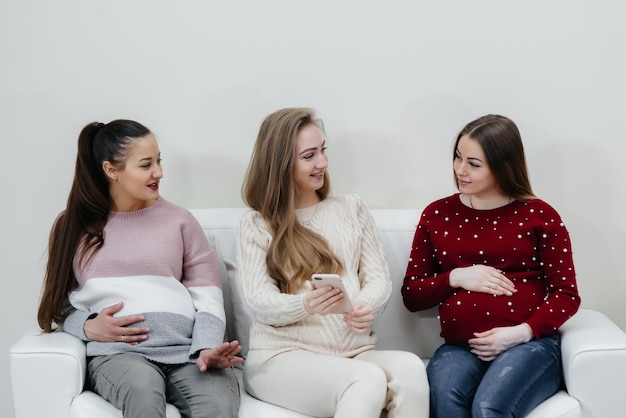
(497, 261)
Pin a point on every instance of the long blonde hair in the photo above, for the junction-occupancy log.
(295, 252)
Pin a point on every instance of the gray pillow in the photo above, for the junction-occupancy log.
(241, 310)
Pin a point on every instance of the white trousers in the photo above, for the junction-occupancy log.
(364, 386)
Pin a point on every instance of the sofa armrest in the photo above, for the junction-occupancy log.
(594, 363)
(47, 372)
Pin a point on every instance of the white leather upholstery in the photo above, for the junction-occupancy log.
(48, 370)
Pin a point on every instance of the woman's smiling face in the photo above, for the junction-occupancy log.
(136, 185)
(310, 164)
(473, 174)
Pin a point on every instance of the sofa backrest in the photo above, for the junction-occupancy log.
(397, 328)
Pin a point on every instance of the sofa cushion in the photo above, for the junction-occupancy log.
(241, 312)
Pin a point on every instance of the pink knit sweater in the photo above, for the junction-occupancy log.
(159, 263)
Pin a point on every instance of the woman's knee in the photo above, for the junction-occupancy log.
(413, 365)
(370, 378)
(222, 396)
(408, 373)
(374, 374)
(365, 390)
(453, 378)
(122, 379)
(484, 407)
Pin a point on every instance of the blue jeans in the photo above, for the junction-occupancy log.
(461, 385)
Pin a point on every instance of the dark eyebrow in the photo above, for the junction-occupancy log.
(149, 158)
(311, 149)
(469, 158)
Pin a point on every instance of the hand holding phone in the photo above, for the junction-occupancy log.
(333, 280)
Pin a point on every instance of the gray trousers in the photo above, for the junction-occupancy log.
(141, 388)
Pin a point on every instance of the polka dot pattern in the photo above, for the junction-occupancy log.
(527, 241)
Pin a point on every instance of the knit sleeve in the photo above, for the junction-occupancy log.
(269, 305)
(555, 251)
(202, 279)
(75, 322)
(373, 269)
(424, 284)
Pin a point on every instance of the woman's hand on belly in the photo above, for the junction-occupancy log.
(107, 328)
(481, 278)
(489, 344)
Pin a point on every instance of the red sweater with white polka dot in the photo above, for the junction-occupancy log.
(527, 241)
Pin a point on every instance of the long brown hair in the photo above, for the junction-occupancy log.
(295, 252)
(80, 227)
(501, 142)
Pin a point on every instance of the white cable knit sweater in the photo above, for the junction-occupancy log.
(280, 320)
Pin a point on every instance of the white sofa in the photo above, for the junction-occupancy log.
(48, 370)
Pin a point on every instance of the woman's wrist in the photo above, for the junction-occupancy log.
(452, 278)
(531, 335)
(305, 304)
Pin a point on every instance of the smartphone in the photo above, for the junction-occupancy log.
(321, 280)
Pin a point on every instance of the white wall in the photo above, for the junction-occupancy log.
(394, 81)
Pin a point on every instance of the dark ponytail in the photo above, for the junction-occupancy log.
(80, 227)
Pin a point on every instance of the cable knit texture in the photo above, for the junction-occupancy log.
(158, 262)
(280, 320)
(527, 241)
